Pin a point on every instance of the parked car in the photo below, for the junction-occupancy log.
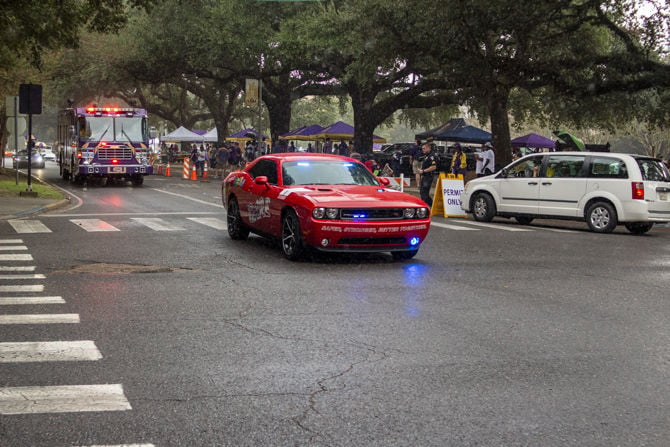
(48, 154)
(324, 202)
(603, 189)
(21, 160)
(386, 155)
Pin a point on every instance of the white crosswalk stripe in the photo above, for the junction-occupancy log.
(13, 247)
(49, 351)
(34, 276)
(24, 288)
(62, 399)
(16, 268)
(94, 225)
(11, 241)
(451, 227)
(213, 222)
(18, 300)
(15, 257)
(157, 224)
(40, 319)
(29, 226)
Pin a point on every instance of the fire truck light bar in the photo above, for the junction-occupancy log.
(98, 111)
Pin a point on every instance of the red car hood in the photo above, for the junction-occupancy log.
(360, 196)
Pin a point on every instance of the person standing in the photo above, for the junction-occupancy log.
(414, 160)
(427, 171)
(489, 161)
(222, 157)
(328, 147)
(459, 163)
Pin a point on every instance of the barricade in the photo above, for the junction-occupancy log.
(398, 183)
(186, 169)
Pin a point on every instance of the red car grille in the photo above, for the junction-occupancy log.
(372, 214)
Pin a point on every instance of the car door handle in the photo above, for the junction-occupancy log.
(546, 183)
(532, 183)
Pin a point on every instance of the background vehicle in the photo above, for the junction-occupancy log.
(603, 189)
(104, 142)
(21, 160)
(48, 154)
(386, 155)
(325, 202)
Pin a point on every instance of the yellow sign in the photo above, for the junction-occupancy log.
(447, 197)
(251, 93)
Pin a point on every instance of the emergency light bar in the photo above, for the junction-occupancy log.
(100, 111)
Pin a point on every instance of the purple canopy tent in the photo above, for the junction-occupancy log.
(244, 135)
(342, 131)
(533, 140)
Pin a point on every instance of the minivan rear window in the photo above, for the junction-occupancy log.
(653, 170)
(606, 167)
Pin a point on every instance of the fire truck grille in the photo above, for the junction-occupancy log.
(111, 153)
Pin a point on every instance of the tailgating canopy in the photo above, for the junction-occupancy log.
(342, 131)
(244, 135)
(211, 136)
(182, 134)
(304, 133)
(533, 140)
(456, 130)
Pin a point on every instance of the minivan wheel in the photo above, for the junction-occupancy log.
(483, 207)
(639, 227)
(601, 217)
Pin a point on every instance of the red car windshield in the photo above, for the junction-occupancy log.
(326, 172)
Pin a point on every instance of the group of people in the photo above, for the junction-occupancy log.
(425, 165)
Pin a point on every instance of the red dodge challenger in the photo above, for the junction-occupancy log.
(325, 202)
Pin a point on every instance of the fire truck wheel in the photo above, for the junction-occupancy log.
(137, 180)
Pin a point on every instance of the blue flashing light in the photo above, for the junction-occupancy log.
(347, 164)
(360, 216)
(414, 241)
(302, 163)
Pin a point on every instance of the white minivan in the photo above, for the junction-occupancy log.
(602, 188)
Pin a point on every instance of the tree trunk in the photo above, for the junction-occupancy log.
(498, 104)
(277, 99)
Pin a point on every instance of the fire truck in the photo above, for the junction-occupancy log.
(103, 142)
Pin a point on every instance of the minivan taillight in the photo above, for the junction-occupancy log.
(638, 190)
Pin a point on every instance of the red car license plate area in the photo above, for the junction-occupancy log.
(365, 235)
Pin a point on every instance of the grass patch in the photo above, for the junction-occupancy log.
(9, 188)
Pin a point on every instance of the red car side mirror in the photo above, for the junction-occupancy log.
(261, 180)
(384, 181)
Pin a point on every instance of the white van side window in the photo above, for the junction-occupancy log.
(605, 167)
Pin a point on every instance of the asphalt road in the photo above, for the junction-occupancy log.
(500, 334)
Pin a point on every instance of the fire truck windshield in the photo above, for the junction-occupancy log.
(114, 128)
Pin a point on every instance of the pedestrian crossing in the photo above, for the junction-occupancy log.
(184, 223)
(94, 225)
(20, 285)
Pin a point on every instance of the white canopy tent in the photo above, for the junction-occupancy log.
(211, 136)
(182, 134)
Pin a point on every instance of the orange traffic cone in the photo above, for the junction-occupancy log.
(167, 171)
(205, 175)
(194, 173)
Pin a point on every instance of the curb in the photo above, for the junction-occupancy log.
(37, 210)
